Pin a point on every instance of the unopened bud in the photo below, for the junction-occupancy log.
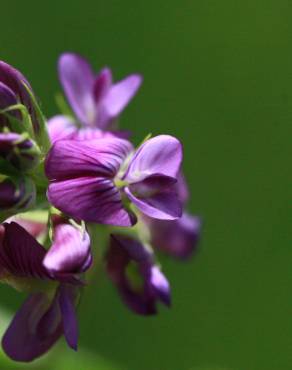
(16, 194)
(20, 151)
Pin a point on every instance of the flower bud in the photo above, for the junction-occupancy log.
(16, 194)
(14, 90)
(20, 151)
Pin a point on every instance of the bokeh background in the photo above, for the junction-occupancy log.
(218, 75)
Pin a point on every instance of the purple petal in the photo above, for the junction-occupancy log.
(10, 194)
(161, 155)
(15, 80)
(102, 85)
(61, 127)
(139, 298)
(182, 188)
(69, 252)
(92, 133)
(7, 96)
(20, 254)
(178, 238)
(34, 228)
(77, 80)
(163, 206)
(160, 284)
(120, 95)
(91, 199)
(34, 329)
(152, 185)
(67, 298)
(70, 158)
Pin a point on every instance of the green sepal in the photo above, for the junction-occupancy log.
(40, 133)
(25, 125)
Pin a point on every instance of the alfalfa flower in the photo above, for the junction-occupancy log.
(98, 180)
(96, 101)
(140, 282)
(49, 311)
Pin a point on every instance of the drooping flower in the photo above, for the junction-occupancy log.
(139, 281)
(54, 288)
(96, 101)
(96, 180)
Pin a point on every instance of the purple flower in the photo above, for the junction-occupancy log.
(178, 238)
(49, 311)
(97, 180)
(95, 99)
(139, 281)
(13, 91)
(20, 151)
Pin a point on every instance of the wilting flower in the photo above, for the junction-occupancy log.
(51, 278)
(16, 193)
(13, 90)
(95, 99)
(18, 150)
(138, 279)
(178, 238)
(97, 180)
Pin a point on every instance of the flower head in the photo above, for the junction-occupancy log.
(96, 101)
(93, 180)
(49, 311)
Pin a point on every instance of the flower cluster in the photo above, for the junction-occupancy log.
(65, 179)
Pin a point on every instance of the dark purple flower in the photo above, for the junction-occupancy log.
(139, 281)
(20, 151)
(49, 311)
(94, 180)
(13, 90)
(95, 99)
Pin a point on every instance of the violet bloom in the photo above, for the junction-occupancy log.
(139, 281)
(178, 238)
(52, 280)
(98, 180)
(13, 91)
(96, 101)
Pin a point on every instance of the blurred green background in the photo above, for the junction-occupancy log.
(217, 74)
